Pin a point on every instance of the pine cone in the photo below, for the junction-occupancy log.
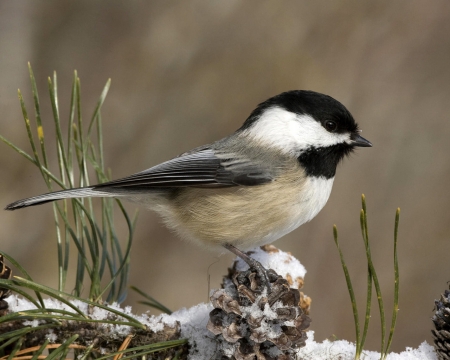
(253, 324)
(5, 273)
(441, 320)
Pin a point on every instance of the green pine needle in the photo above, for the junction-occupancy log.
(351, 293)
(372, 279)
(152, 301)
(102, 257)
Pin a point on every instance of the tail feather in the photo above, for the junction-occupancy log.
(58, 195)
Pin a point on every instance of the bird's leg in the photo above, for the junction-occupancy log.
(252, 263)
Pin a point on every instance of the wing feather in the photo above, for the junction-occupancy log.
(202, 168)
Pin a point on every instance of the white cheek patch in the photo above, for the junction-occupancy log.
(292, 133)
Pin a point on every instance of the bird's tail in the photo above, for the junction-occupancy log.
(58, 195)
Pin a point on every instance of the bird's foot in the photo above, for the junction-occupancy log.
(267, 276)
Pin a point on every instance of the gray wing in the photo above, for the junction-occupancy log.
(201, 168)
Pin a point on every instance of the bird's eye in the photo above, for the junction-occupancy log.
(331, 126)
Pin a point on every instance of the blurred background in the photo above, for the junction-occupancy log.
(185, 73)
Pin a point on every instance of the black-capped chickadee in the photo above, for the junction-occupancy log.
(272, 175)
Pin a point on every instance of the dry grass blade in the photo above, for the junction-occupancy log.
(122, 347)
(47, 347)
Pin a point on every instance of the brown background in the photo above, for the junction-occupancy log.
(188, 72)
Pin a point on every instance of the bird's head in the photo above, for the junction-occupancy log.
(313, 127)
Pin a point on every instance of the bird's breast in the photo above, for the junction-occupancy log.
(246, 216)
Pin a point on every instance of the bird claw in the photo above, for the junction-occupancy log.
(266, 276)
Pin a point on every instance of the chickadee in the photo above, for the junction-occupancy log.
(250, 188)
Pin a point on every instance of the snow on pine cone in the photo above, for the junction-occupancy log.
(441, 320)
(252, 323)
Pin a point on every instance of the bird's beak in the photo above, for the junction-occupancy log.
(358, 140)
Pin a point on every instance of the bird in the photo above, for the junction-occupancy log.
(247, 189)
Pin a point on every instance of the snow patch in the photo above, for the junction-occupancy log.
(281, 262)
